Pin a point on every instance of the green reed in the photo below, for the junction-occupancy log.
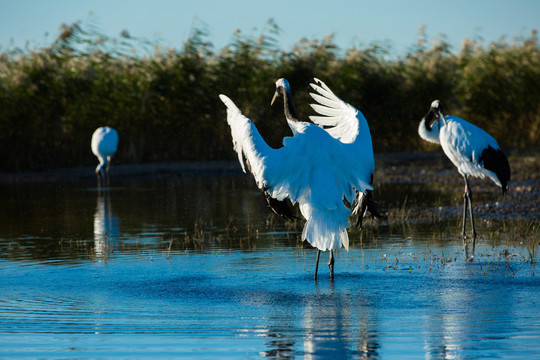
(164, 101)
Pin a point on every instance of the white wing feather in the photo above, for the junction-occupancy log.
(348, 125)
(247, 141)
(463, 143)
(340, 120)
(312, 168)
(279, 171)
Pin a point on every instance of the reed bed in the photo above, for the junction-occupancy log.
(164, 102)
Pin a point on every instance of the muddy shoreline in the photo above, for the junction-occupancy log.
(390, 167)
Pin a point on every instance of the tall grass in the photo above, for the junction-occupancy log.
(164, 102)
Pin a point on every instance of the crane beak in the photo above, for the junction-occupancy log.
(440, 116)
(276, 94)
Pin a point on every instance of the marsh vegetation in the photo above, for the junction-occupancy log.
(164, 101)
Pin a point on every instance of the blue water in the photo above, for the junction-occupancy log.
(195, 268)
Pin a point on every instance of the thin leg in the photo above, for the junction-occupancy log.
(465, 204)
(468, 198)
(331, 264)
(317, 264)
(472, 218)
(465, 200)
(473, 227)
(107, 170)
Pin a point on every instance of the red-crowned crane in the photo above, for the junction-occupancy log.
(317, 167)
(104, 145)
(472, 150)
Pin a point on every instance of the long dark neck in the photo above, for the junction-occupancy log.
(429, 129)
(290, 112)
(428, 123)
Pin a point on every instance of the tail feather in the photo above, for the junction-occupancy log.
(326, 233)
(497, 162)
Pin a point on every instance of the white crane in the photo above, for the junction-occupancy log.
(364, 202)
(104, 145)
(316, 168)
(472, 150)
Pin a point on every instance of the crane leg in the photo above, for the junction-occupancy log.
(331, 264)
(108, 169)
(472, 225)
(468, 199)
(317, 264)
(465, 200)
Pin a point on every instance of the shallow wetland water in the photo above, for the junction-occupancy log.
(190, 264)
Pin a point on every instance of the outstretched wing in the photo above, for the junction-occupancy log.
(348, 125)
(247, 142)
(341, 120)
(277, 172)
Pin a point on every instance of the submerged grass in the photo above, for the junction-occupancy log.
(509, 247)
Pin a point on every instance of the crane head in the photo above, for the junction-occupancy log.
(281, 83)
(436, 107)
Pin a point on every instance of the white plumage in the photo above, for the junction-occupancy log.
(316, 168)
(104, 145)
(472, 150)
(464, 144)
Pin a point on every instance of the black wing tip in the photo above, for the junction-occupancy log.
(371, 206)
(504, 187)
(496, 161)
(279, 207)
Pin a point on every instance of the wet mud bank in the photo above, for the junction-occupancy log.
(433, 170)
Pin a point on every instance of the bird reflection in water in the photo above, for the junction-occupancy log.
(334, 325)
(106, 225)
(329, 319)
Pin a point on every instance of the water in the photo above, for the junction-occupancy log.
(195, 267)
